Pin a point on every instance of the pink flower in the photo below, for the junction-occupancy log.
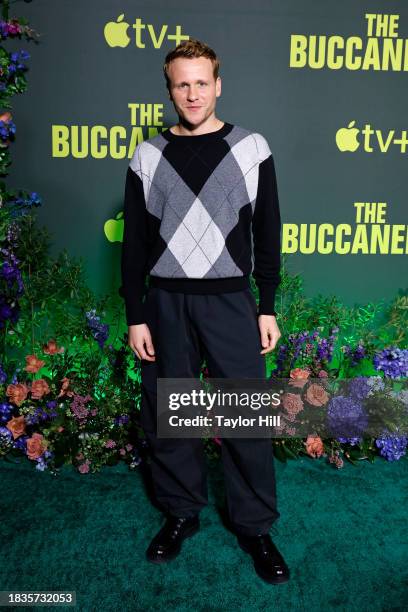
(33, 364)
(129, 447)
(110, 444)
(316, 395)
(336, 459)
(51, 348)
(292, 402)
(36, 445)
(13, 27)
(83, 468)
(39, 388)
(314, 446)
(17, 393)
(298, 377)
(122, 451)
(323, 374)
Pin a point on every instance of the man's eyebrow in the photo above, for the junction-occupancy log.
(197, 81)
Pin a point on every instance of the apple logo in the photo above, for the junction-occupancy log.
(346, 138)
(113, 228)
(115, 32)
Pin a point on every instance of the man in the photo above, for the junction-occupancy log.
(201, 214)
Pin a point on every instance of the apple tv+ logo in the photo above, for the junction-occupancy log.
(373, 140)
(116, 34)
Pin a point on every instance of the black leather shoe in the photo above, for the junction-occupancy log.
(268, 562)
(166, 544)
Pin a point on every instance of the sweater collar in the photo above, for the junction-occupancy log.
(208, 136)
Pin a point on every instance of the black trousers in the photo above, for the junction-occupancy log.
(224, 329)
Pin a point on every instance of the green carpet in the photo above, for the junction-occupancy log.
(343, 533)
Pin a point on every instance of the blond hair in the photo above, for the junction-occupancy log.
(191, 48)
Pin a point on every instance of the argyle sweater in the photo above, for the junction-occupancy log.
(201, 214)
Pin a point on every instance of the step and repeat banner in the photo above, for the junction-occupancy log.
(324, 82)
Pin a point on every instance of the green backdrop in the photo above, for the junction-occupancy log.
(305, 74)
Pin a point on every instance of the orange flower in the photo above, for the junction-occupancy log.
(17, 426)
(36, 445)
(65, 385)
(33, 364)
(51, 348)
(316, 395)
(39, 388)
(6, 117)
(17, 393)
(314, 446)
(299, 377)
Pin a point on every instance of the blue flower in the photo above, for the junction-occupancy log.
(346, 417)
(100, 331)
(3, 375)
(5, 412)
(359, 387)
(352, 441)
(393, 361)
(21, 443)
(6, 439)
(393, 446)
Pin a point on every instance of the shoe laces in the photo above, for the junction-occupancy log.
(175, 523)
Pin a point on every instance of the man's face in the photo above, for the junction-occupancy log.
(193, 89)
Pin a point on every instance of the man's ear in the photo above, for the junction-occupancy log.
(218, 87)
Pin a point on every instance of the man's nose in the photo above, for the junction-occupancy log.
(192, 93)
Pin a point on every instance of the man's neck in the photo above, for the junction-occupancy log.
(181, 129)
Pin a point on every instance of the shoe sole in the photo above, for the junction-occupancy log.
(265, 578)
(188, 534)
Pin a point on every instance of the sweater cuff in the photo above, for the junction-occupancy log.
(267, 299)
(134, 308)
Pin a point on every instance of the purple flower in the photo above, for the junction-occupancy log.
(42, 461)
(393, 361)
(356, 354)
(6, 439)
(3, 375)
(8, 312)
(5, 412)
(100, 331)
(7, 130)
(376, 383)
(359, 387)
(122, 419)
(346, 417)
(352, 441)
(393, 446)
(21, 443)
(78, 408)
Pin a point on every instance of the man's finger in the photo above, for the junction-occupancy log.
(150, 347)
(144, 354)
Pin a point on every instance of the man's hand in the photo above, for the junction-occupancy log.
(270, 333)
(139, 337)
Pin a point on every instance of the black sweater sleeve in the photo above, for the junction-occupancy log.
(266, 229)
(134, 249)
